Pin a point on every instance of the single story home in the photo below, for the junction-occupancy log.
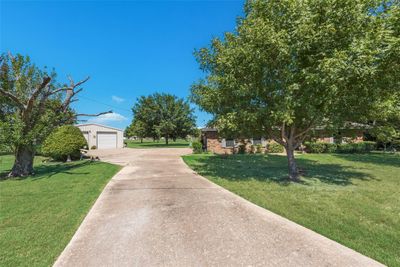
(102, 136)
(214, 143)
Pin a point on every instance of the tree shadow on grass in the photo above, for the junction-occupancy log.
(47, 170)
(387, 159)
(273, 168)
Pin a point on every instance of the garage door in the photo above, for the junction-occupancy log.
(106, 140)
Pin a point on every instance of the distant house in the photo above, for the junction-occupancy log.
(101, 136)
(215, 143)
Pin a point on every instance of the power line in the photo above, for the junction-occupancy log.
(87, 98)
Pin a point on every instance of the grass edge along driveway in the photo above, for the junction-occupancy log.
(40, 214)
(352, 199)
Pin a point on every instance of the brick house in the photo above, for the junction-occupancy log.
(214, 143)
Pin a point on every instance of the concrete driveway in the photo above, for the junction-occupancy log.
(158, 212)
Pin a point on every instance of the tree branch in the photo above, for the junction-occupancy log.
(13, 98)
(71, 91)
(33, 97)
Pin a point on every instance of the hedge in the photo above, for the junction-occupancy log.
(274, 148)
(197, 147)
(361, 147)
(320, 147)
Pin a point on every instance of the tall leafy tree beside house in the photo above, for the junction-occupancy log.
(32, 104)
(293, 65)
(163, 115)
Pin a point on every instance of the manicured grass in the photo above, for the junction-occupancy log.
(353, 199)
(179, 143)
(39, 214)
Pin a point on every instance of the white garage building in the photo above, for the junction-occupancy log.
(101, 136)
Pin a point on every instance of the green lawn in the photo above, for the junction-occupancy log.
(40, 214)
(353, 199)
(180, 143)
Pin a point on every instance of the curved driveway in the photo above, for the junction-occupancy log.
(158, 212)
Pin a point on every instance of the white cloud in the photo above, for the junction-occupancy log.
(109, 117)
(117, 99)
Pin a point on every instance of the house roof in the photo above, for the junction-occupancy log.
(100, 125)
(206, 129)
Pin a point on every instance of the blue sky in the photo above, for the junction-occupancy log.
(128, 48)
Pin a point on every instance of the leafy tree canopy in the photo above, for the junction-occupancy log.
(162, 115)
(293, 65)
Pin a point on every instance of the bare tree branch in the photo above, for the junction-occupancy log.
(33, 97)
(71, 91)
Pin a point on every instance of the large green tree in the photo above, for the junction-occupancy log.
(292, 65)
(163, 115)
(32, 104)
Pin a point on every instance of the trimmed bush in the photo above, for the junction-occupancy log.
(93, 147)
(259, 148)
(330, 148)
(315, 147)
(242, 149)
(63, 142)
(361, 147)
(197, 147)
(275, 148)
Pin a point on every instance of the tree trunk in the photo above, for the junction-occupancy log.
(23, 164)
(293, 172)
(166, 139)
(141, 140)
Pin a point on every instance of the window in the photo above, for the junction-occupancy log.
(257, 141)
(230, 143)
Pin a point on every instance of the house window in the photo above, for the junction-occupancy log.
(257, 141)
(230, 143)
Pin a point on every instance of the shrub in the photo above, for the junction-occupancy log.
(315, 147)
(93, 147)
(252, 149)
(395, 145)
(259, 148)
(242, 149)
(197, 147)
(275, 148)
(330, 148)
(361, 147)
(63, 142)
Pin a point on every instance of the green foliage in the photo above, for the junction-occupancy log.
(361, 147)
(93, 147)
(315, 147)
(63, 142)
(320, 147)
(259, 148)
(291, 66)
(162, 115)
(197, 147)
(242, 148)
(274, 148)
(20, 77)
(330, 148)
